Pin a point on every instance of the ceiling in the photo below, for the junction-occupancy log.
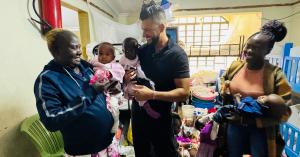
(133, 6)
(126, 6)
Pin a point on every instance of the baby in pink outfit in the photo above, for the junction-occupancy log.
(109, 76)
(130, 61)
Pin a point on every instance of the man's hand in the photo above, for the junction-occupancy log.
(129, 75)
(142, 93)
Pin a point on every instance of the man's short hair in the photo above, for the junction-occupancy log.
(154, 12)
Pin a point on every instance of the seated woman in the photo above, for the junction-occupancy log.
(66, 102)
(256, 77)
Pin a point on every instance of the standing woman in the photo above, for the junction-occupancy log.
(66, 102)
(256, 77)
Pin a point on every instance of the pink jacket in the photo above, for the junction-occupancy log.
(116, 69)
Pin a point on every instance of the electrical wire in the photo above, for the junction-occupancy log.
(42, 21)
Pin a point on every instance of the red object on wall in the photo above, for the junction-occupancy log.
(51, 12)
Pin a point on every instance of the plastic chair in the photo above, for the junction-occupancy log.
(49, 144)
(292, 72)
(291, 135)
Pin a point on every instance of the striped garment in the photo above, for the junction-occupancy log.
(275, 82)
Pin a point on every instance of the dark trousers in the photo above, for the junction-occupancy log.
(152, 137)
(242, 139)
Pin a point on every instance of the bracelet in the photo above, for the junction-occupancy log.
(153, 95)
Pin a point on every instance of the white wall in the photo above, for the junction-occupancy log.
(295, 51)
(24, 53)
(81, 5)
(70, 19)
(294, 119)
(294, 30)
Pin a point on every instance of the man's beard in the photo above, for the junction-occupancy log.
(153, 41)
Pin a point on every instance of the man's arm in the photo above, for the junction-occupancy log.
(181, 79)
(181, 93)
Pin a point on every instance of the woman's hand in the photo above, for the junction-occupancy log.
(237, 97)
(225, 88)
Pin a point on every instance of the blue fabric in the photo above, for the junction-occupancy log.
(251, 107)
(65, 101)
(165, 4)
